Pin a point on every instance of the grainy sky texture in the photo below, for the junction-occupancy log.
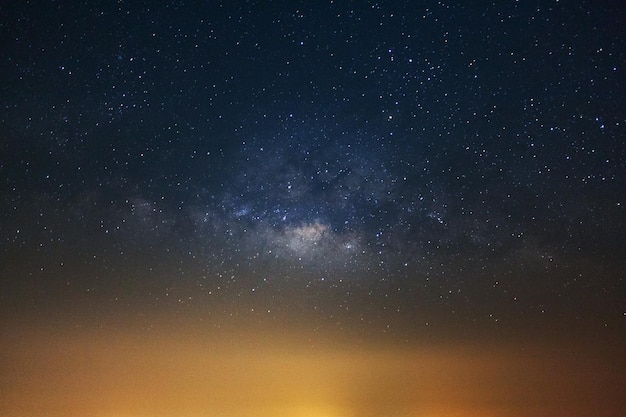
(312, 209)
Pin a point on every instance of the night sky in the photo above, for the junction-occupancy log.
(312, 209)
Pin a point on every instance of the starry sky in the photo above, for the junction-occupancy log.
(312, 208)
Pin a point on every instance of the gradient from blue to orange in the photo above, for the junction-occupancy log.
(312, 208)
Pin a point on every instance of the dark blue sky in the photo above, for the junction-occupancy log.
(412, 156)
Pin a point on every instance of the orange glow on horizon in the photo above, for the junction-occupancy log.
(265, 373)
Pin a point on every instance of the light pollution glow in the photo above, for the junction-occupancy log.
(267, 371)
